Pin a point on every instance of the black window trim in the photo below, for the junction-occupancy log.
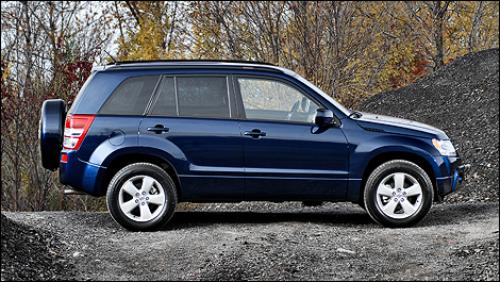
(230, 96)
(177, 111)
(236, 98)
(241, 107)
(154, 96)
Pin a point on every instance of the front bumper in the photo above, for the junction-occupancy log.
(455, 179)
(459, 179)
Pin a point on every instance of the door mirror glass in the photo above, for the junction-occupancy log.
(324, 118)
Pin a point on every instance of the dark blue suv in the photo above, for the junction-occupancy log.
(151, 134)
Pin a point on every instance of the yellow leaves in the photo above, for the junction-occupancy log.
(147, 33)
(145, 44)
(6, 69)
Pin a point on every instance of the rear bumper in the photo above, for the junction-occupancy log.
(81, 175)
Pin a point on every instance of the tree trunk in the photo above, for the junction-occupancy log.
(476, 24)
(439, 12)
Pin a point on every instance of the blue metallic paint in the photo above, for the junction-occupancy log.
(295, 150)
(206, 148)
(214, 161)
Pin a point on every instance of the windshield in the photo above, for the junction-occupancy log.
(339, 106)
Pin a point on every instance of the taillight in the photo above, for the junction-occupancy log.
(75, 130)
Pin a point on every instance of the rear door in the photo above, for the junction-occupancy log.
(191, 118)
(286, 157)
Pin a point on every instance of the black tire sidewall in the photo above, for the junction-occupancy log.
(383, 171)
(135, 170)
(51, 131)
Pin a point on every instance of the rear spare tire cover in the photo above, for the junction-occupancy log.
(51, 132)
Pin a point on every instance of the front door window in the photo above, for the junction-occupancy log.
(274, 100)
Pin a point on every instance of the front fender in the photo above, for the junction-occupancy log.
(367, 151)
(374, 145)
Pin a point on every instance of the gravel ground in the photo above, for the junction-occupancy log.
(462, 99)
(37, 252)
(336, 241)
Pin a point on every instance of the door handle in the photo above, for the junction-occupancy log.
(255, 133)
(158, 129)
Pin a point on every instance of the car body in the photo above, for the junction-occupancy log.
(236, 149)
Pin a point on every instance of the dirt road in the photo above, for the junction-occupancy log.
(335, 241)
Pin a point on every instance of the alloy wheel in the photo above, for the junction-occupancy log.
(399, 195)
(142, 198)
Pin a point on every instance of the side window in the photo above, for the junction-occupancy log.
(165, 104)
(130, 97)
(203, 97)
(274, 100)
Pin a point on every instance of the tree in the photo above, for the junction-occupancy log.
(47, 51)
(148, 29)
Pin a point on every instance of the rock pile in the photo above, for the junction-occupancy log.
(31, 254)
(462, 99)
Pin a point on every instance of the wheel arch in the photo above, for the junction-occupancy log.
(118, 161)
(398, 155)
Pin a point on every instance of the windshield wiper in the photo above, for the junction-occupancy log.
(355, 114)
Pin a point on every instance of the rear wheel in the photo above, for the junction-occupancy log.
(141, 197)
(398, 193)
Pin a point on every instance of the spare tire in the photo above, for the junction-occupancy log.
(51, 131)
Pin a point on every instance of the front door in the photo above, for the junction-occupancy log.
(286, 157)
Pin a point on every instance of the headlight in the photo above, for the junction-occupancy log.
(445, 147)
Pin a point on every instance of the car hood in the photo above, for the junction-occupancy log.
(388, 124)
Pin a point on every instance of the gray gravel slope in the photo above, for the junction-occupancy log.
(462, 98)
(335, 241)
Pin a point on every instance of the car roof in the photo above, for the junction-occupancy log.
(191, 64)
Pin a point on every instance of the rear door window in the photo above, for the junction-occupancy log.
(166, 102)
(203, 97)
(131, 96)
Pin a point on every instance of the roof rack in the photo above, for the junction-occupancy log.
(188, 61)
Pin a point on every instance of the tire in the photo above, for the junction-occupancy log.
(398, 193)
(137, 188)
(50, 131)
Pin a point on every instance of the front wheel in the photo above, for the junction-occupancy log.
(398, 193)
(141, 197)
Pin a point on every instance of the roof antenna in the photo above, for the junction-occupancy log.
(111, 56)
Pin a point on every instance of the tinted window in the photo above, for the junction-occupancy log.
(203, 97)
(165, 101)
(274, 100)
(131, 96)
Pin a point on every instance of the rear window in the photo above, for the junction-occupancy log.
(130, 97)
(80, 96)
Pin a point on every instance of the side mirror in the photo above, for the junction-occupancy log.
(324, 118)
